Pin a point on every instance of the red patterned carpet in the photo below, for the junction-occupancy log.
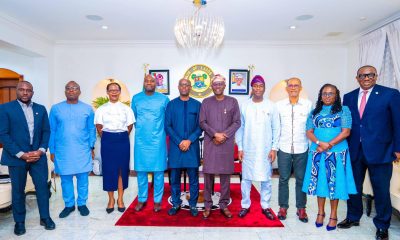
(183, 219)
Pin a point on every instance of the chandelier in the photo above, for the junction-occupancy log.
(198, 30)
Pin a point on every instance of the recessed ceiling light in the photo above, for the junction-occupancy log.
(363, 18)
(293, 27)
(104, 27)
(94, 17)
(304, 17)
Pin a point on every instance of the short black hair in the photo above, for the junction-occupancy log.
(113, 83)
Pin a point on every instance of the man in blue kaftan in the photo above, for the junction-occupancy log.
(183, 128)
(150, 150)
(71, 146)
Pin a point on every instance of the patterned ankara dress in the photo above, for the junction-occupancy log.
(329, 174)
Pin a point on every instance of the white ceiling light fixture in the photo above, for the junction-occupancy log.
(199, 30)
(293, 27)
(104, 27)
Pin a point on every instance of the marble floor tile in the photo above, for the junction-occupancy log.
(100, 225)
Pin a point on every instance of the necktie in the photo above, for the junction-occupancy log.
(363, 103)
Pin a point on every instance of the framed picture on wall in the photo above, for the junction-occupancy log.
(239, 81)
(162, 80)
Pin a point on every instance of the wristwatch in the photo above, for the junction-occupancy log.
(317, 142)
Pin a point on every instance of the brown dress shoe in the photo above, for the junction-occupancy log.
(226, 213)
(157, 207)
(206, 213)
(139, 207)
(301, 212)
(268, 213)
(282, 213)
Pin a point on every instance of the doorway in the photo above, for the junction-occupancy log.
(8, 85)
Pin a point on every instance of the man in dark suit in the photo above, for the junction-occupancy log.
(374, 144)
(24, 133)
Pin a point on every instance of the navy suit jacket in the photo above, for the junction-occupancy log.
(14, 132)
(379, 129)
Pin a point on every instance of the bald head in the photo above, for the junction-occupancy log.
(184, 88)
(72, 92)
(149, 84)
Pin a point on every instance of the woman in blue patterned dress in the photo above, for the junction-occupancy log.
(328, 173)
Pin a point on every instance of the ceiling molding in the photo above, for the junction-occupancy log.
(25, 29)
(375, 27)
(248, 44)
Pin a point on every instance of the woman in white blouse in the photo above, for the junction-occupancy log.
(114, 121)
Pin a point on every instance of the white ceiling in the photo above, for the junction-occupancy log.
(153, 20)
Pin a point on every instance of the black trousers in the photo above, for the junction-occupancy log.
(380, 175)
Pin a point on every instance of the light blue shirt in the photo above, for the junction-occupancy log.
(72, 137)
(150, 153)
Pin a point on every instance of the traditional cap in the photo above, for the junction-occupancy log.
(257, 79)
(218, 78)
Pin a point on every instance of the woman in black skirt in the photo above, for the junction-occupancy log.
(114, 121)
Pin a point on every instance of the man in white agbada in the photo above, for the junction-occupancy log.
(257, 140)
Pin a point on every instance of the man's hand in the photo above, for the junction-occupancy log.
(240, 156)
(31, 156)
(397, 157)
(93, 154)
(184, 145)
(219, 138)
(272, 156)
(52, 157)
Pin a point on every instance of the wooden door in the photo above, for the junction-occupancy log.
(8, 85)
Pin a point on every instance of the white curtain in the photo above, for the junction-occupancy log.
(393, 35)
(381, 49)
(372, 49)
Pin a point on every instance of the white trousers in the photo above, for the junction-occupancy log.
(265, 194)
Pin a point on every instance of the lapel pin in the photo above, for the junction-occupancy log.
(37, 113)
(377, 93)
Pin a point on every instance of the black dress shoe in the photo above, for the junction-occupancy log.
(66, 212)
(347, 223)
(243, 212)
(19, 228)
(382, 234)
(47, 223)
(83, 210)
(268, 213)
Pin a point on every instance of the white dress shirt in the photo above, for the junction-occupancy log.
(360, 94)
(293, 120)
(115, 117)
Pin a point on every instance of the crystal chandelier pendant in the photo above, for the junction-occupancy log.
(199, 30)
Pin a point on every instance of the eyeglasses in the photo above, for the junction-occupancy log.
(364, 76)
(293, 86)
(71, 88)
(184, 85)
(328, 94)
(218, 84)
(114, 91)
